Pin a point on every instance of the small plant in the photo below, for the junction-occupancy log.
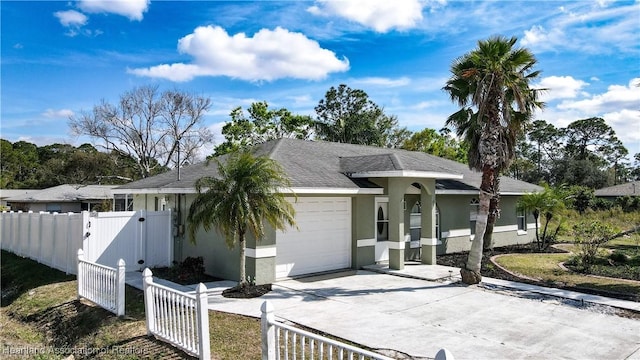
(618, 257)
(589, 236)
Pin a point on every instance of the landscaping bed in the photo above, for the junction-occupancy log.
(528, 265)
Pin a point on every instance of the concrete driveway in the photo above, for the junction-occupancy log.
(418, 317)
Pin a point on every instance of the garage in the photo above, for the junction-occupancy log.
(322, 241)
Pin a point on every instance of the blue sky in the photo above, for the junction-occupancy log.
(60, 58)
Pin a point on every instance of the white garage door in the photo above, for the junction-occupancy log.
(323, 241)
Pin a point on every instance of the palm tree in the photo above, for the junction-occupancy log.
(546, 203)
(491, 84)
(246, 193)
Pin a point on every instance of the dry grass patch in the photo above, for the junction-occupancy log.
(42, 312)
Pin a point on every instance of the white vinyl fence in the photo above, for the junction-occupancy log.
(140, 238)
(178, 318)
(50, 239)
(101, 284)
(282, 341)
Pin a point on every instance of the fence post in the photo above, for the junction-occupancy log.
(147, 280)
(268, 331)
(444, 354)
(120, 277)
(80, 273)
(202, 309)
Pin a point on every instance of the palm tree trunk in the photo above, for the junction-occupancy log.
(471, 273)
(243, 261)
(494, 205)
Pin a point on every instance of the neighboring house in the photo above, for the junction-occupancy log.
(355, 205)
(7, 193)
(613, 192)
(62, 198)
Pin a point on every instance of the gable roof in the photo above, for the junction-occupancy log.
(7, 193)
(336, 166)
(628, 189)
(66, 193)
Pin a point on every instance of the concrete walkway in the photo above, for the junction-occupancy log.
(417, 317)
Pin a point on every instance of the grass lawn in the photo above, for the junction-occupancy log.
(545, 268)
(40, 310)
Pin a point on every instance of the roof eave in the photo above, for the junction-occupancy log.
(405, 174)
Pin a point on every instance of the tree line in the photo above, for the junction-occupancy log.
(148, 132)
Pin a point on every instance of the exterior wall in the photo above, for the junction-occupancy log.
(363, 231)
(64, 207)
(455, 234)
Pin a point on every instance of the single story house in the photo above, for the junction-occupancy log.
(8, 193)
(355, 205)
(613, 192)
(62, 198)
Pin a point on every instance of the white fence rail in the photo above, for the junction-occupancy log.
(101, 284)
(50, 239)
(281, 341)
(141, 238)
(178, 318)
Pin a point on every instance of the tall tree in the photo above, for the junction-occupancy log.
(261, 125)
(245, 195)
(347, 115)
(442, 145)
(150, 126)
(491, 84)
(591, 149)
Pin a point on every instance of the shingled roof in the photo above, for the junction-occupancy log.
(327, 165)
(628, 189)
(65, 193)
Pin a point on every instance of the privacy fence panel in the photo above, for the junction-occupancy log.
(142, 239)
(50, 239)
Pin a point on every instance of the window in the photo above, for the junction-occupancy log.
(54, 208)
(437, 222)
(382, 223)
(521, 216)
(474, 205)
(415, 222)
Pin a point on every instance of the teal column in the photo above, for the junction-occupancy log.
(428, 238)
(397, 189)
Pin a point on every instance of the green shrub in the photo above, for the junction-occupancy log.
(589, 236)
(618, 257)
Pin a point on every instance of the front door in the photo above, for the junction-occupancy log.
(382, 229)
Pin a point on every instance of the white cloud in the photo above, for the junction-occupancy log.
(560, 87)
(380, 15)
(617, 98)
(592, 28)
(57, 114)
(268, 55)
(71, 18)
(542, 39)
(619, 106)
(132, 9)
(381, 81)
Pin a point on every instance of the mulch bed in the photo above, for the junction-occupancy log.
(247, 291)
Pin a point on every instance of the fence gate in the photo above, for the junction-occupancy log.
(142, 239)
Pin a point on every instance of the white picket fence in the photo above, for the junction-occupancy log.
(101, 284)
(178, 318)
(282, 341)
(141, 238)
